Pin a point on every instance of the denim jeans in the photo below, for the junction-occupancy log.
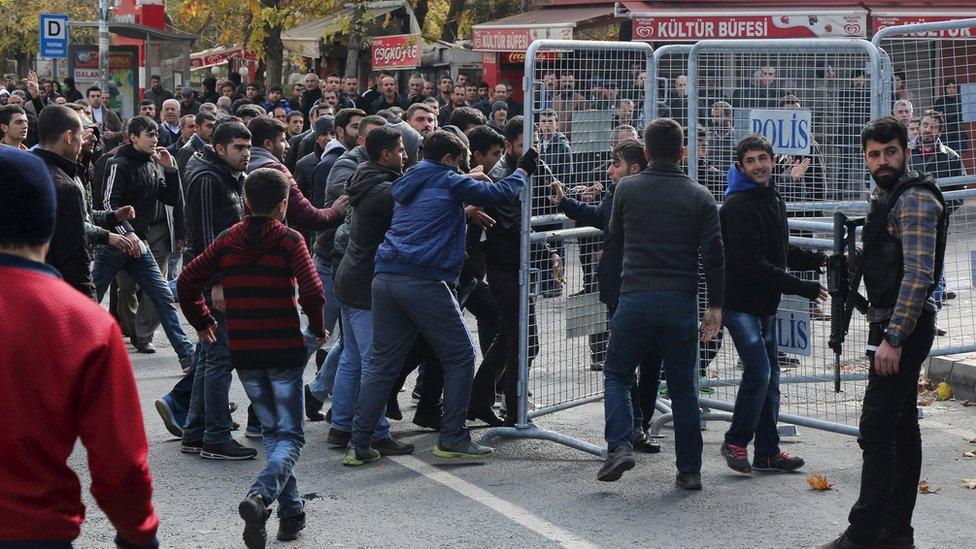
(403, 306)
(276, 396)
(668, 321)
(324, 269)
(757, 403)
(891, 443)
(354, 365)
(321, 386)
(180, 394)
(208, 418)
(109, 261)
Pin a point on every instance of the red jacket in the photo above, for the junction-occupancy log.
(65, 375)
(258, 261)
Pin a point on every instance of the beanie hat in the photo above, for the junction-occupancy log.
(457, 131)
(29, 206)
(323, 125)
(498, 105)
(411, 138)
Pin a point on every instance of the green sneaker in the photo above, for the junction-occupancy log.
(355, 458)
(703, 390)
(472, 450)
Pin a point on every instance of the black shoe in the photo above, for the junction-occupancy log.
(338, 437)
(229, 451)
(949, 295)
(619, 460)
(645, 444)
(782, 463)
(313, 406)
(787, 361)
(393, 408)
(596, 366)
(145, 346)
(488, 417)
(186, 362)
(328, 415)
(191, 446)
(255, 513)
(939, 331)
(887, 540)
(427, 421)
(688, 481)
(843, 542)
(290, 527)
(320, 355)
(391, 447)
(736, 457)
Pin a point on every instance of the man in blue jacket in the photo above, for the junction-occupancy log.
(417, 267)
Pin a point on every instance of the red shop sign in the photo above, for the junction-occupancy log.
(401, 51)
(879, 22)
(502, 39)
(731, 27)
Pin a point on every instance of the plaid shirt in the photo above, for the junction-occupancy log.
(914, 220)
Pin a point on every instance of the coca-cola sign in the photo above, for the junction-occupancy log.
(401, 51)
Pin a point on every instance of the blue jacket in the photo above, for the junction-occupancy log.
(427, 235)
(611, 264)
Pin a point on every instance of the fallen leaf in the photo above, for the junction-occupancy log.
(969, 483)
(713, 374)
(849, 368)
(818, 482)
(925, 401)
(923, 488)
(943, 391)
(967, 403)
(969, 454)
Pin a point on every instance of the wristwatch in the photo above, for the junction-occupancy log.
(893, 340)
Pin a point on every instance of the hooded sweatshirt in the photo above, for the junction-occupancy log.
(300, 211)
(757, 249)
(372, 212)
(258, 261)
(427, 234)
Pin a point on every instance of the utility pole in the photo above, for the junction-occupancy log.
(103, 44)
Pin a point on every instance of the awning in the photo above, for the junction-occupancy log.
(140, 32)
(883, 18)
(516, 32)
(305, 38)
(657, 22)
(218, 56)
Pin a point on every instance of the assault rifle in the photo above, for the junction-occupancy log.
(844, 273)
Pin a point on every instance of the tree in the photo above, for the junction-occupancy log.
(358, 33)
(19, 35)
(449, 32)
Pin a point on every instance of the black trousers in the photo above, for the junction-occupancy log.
(891, 444)
(505, 287)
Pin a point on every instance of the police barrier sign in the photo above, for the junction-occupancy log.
(787, 129)
(793, 327)
(54, 35)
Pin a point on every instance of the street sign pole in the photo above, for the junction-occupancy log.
(53, 37)
(103, 45)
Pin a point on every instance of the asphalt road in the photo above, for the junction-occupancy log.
(538, 494)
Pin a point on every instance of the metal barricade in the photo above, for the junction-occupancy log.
(669, 73)
(933, 65)
(563, 333)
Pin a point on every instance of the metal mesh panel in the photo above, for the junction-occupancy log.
(669, 73)
(933, 68)
(582, 93)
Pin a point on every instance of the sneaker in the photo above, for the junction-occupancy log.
(338, 437)
(887, 540)
(355, 458)
(949, 295)
(736, 457)
(940, 331)
(171, 419)
(313, 406)
(705, 390)
(191, 446)
(391, 447)
(787, 361)
(645, 444)
(688, 481)
(290, 527)
(230, 451)
(255, 513)
(253, 431)
(186, 361)
(619, 460)
(843, 542)
(596, 366)
(144, 346)
(783, 463)
(472, 450)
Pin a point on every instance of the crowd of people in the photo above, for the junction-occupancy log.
(389, 216)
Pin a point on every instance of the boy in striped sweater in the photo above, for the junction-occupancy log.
(258, 261)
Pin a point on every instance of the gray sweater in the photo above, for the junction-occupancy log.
(661, 219)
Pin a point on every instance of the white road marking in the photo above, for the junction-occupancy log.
(508, 509)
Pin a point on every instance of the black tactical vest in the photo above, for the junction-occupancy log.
(883, 261)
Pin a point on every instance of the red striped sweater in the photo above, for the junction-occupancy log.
(258, 262)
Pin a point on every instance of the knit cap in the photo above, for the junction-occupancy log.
(29, 206)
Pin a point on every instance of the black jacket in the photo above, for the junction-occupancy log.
(78, 226)
(134, 179)
(381, 103)
(214, 201)
(758, 252)
(611, 262)
(372, 212)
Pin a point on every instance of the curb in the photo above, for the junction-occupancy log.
(958, 370)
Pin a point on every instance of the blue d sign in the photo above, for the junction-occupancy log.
(53, 29)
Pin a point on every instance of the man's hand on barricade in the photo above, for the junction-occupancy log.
(886, 359)
(591, 193)
(711, 323)
(558, 193)
(529, 161)
(557, 268)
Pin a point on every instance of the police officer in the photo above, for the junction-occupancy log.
(904, 248)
